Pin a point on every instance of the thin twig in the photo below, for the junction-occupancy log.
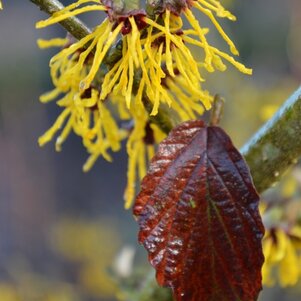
(217, 110)
(73, 25)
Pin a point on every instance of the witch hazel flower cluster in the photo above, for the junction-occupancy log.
(136, 62)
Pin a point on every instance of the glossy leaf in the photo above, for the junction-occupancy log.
(198, 217)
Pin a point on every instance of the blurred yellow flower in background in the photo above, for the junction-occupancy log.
(282, 251)
(281, 213)
(7, 290)
(88, 246)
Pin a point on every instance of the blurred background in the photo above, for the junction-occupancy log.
(64, 235)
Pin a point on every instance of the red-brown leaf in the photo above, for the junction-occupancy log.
(198, 217)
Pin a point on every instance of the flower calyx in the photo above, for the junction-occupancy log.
(119, 11)
(155, 7)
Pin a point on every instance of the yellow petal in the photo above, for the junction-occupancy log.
(289, 269)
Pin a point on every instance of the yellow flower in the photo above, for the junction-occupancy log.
(164, 44)
(8, 292)
(282, 253)
(186, 101)
(154, 65)
(140, 149)
(1, 7)
(121, 76)
(89, 118)
(213, 57)
(169, 61)
(83, 112)
(268, 111)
